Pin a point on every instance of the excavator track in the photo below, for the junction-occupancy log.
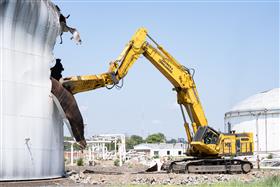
(198, 165)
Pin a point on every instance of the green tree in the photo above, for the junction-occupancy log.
(133, 140)
(156, 138)
(80, 162)
(171, 141)
(111, 146)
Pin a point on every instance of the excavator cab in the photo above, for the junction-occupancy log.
(206, 135)
(205, 141)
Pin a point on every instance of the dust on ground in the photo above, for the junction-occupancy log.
(107, 174)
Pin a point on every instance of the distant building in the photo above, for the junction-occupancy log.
(161, 149)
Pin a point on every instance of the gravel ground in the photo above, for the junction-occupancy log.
(103, 175)
(127, 174)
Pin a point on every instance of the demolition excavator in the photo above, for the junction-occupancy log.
(209, 151)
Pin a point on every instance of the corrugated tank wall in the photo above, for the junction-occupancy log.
(31, 130)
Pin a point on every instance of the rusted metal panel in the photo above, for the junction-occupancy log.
(71, 110)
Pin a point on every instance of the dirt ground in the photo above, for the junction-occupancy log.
(108, 174)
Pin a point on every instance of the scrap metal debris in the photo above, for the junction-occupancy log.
(72, 112)
(65, 28)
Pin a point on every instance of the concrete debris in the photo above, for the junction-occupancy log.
(101, 176)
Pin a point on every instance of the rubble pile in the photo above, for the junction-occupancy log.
(99, 176)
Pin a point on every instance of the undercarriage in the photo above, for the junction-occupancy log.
(209, 165)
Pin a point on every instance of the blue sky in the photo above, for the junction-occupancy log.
(234, 47)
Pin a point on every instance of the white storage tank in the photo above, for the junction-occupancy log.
(31, 130)
(259, 114)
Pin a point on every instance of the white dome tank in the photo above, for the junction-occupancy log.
(31, 130)
(259, 114)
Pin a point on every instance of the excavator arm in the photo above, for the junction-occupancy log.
(116, 72)
(77, 84)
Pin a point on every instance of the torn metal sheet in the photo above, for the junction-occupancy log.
(71, 110)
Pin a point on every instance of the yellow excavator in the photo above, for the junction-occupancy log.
(209, 151)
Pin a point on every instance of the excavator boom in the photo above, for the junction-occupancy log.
(177, 74)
